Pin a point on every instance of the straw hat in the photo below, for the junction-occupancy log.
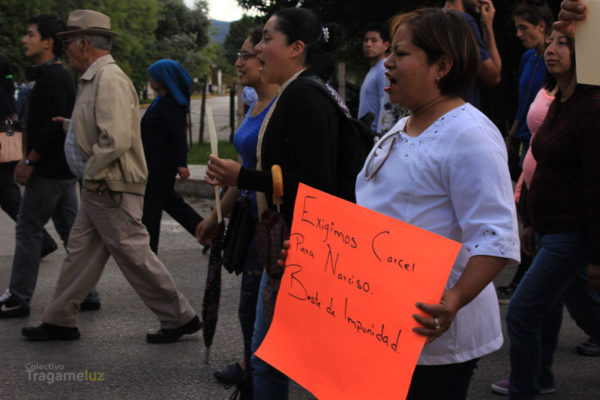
(83, 22)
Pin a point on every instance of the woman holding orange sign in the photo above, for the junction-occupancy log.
(444, 169)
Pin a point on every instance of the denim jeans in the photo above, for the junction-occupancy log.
(534, 315)
(43, 199)
(268, 382)
(10, 199)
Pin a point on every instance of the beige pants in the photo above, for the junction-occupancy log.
(110, 223)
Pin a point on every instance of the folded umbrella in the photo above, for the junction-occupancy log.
(212, 291)
(271, 232)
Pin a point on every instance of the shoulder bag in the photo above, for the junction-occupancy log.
(238, 235)
(11, 142)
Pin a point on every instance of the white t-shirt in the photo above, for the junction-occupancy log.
(452, 180)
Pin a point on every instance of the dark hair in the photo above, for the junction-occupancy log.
(438, 32)
(320, 41)
(48, 26)
(550, 80)
(378, 27)
(534, 11)
(6, 78)
(255, 34)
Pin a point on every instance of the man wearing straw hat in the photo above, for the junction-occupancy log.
(104, 148)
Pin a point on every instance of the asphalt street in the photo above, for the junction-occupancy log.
(220, 109)
(113, 361)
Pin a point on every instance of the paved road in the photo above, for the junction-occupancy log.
(220, 109)
(113, 349)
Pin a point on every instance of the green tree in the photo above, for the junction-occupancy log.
(238, 32)
(181, 34)
(134, 20)
(14, 15)
(176, 19)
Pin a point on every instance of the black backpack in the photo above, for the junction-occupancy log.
(355, 140)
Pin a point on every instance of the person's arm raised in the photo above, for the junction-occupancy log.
(570, 11)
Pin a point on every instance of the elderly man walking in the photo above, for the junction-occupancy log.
(104, 147)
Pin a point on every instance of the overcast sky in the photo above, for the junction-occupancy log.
(222, 10)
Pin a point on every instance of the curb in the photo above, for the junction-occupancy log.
(195, 188)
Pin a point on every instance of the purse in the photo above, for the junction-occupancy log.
(238, 235)
(11, 142)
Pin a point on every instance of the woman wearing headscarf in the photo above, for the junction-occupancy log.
(165, 148)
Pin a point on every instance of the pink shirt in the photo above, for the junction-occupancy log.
(535, 117)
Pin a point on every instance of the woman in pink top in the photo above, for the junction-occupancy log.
(537, 112)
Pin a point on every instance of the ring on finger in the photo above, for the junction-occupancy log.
(436, 323)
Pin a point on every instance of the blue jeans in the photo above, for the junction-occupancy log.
(268, 383)
(43, 199)
(534, 315)
(10, 199)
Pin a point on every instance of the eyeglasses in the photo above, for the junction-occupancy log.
(245, 56)
(377, 159)
(66, 42)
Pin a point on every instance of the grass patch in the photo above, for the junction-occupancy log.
(198, 152)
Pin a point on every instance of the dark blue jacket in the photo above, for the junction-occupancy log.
(163, 134)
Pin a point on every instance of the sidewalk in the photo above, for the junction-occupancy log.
(195, 185)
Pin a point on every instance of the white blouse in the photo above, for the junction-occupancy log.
(452, 180)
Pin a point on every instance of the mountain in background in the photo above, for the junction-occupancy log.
(219, 30)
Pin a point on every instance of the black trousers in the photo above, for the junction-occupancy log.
(161, 195)
(448, 382)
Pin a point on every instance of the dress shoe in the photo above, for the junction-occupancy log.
(172, 335)
(589, 348)
(230, 375)
(50, 332)
(88, 305)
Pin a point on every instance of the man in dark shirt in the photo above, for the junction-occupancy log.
(49, 183)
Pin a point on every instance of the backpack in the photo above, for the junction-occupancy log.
(355, 140)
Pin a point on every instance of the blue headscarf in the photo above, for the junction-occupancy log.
(173, 77)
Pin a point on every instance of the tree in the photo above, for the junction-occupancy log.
(15, 14)
(176, 19)
(238, 32)
(132, 19)
(181, 34)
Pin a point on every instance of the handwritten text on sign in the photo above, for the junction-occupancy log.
(343, 320)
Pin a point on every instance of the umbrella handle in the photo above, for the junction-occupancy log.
(277, 185)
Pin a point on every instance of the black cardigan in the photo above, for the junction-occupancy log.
(302, 137)
(53, 95)
(163, 134)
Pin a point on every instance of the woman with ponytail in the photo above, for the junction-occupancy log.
(300, 133)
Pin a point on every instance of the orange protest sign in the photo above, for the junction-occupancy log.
(343, 319)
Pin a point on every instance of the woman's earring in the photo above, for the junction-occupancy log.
(437, 78)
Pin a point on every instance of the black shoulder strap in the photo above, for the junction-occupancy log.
(315, 81)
